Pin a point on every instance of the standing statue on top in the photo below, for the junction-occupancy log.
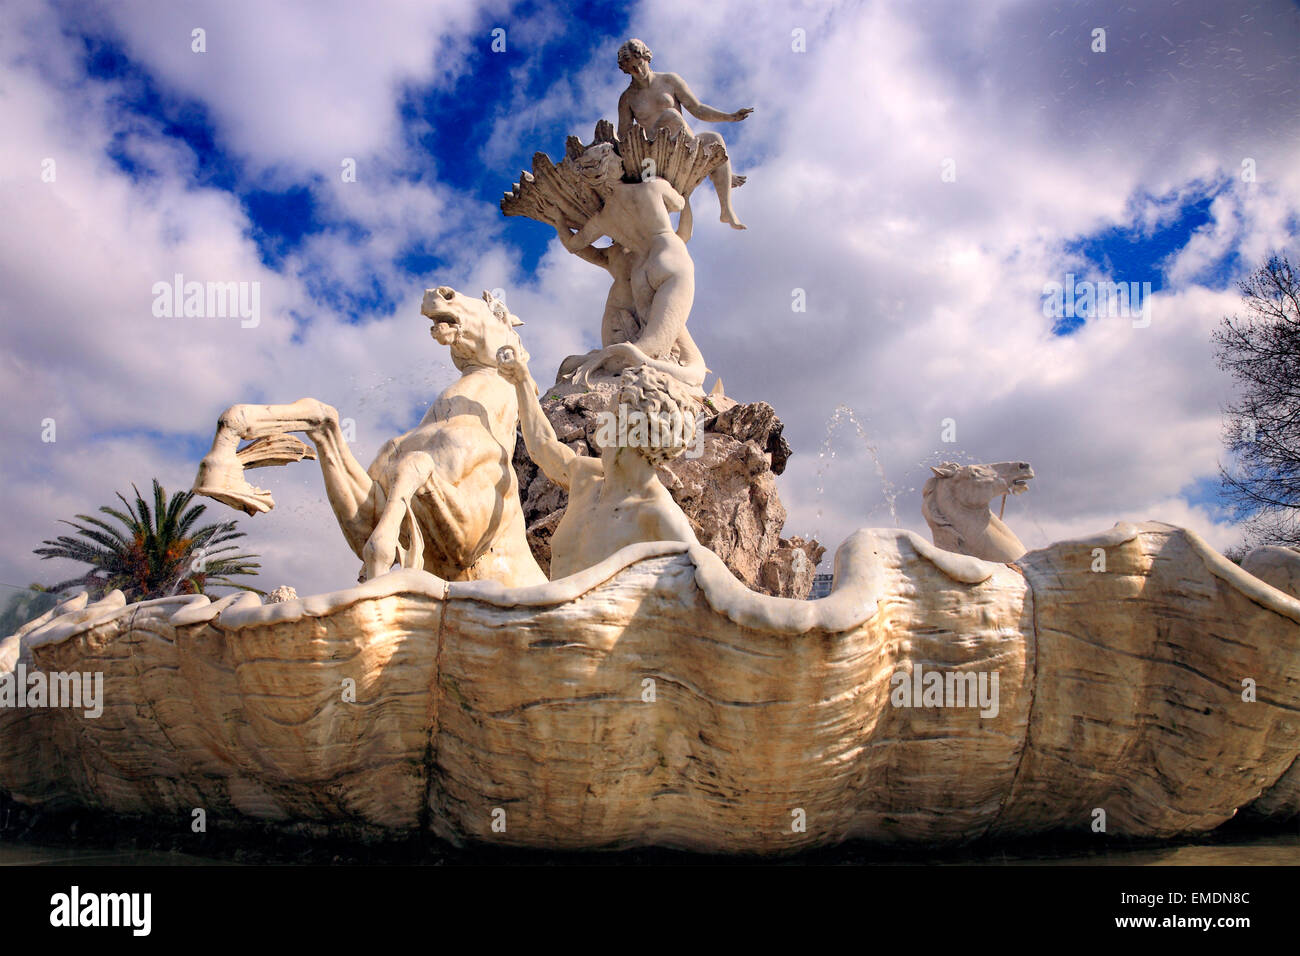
(655, 102)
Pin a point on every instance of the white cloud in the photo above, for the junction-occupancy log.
(300, 85)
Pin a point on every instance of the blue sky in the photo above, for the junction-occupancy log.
(925, 295)
(280, 218)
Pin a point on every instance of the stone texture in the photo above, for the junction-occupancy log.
(653, 700)
(1279, 567)
(728, 493)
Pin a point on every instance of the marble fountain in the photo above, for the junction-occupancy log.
(596, 637)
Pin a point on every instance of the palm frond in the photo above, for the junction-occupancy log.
(153, 552)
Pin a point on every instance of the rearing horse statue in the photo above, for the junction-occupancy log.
(442, 497)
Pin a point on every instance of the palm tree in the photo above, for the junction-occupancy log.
(156, 554)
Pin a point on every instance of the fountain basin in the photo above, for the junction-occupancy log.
(654, 700)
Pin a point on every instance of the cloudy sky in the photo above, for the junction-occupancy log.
(920, 170)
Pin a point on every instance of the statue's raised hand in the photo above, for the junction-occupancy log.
(740, 114)
(512, 365)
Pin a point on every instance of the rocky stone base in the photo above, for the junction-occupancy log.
(728, 492)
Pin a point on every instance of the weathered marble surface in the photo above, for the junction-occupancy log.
(1119, 690)
(1279, 567)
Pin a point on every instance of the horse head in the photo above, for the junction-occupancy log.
(974, 486)
(955, 503)
(473, 329)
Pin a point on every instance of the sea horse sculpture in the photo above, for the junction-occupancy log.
(955, 503)
(443, 497)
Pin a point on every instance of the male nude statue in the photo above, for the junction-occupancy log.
(656, 100)
(620, 327)
(662, 275)
(616, 499)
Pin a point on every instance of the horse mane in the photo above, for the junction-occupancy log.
(935, 516)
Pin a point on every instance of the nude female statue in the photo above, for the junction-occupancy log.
(656, 100)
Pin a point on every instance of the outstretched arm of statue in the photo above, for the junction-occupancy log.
(691, 103)
(550, 454)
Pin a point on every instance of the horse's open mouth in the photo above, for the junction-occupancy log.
(436, 307)
(1019, 485)
(445, 328)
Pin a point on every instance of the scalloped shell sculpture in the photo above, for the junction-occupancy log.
(552, 193)
(653, 700)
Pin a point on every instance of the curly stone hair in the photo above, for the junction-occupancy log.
(669, 409)
(633, 48)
